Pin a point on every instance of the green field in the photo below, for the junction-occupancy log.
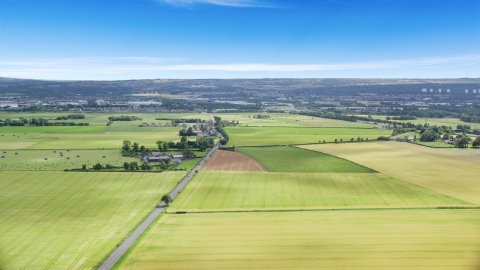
(109, 140)
(258, 136)
(34, 160)
(61, 220)
(220, 191)
(288, 120)
(292, 159)
(361, 239)
(438, 144)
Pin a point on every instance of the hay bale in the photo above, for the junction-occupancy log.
(45, 158)
(16, 153)
(78, 155)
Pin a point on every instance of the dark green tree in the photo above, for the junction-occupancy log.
(476, 142)
(167, 199)
(127, 145)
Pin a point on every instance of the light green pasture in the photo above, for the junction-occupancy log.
(221, 191)
(257, 136)
(332, 240)
(34, 160)
(108, 140)
(59, 220)
(288, 120)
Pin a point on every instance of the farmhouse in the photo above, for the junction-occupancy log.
(177, 156)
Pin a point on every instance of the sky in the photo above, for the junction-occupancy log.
(183, 39)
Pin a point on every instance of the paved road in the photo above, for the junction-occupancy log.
(115, 256)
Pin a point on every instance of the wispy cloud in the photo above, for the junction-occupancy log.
(145, 67)
(227, 3)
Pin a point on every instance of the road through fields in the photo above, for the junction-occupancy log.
(127, 243)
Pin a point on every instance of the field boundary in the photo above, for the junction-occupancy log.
(325, 210)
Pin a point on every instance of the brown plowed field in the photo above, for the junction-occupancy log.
(231, 161)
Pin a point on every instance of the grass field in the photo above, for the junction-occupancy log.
(61, 220)
(34, 160)
(292, 159)
(257, 136)
(360, 239)
(109, 140)
(448, 172)
(289, 120)
(438, 144)
(220, 191)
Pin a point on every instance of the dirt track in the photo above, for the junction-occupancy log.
(232, 161)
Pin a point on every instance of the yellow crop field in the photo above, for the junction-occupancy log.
(360, 240)
(226, 191)
(448, 172)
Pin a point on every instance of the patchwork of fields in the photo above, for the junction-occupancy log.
(360, 239)
(63, 220)
(365, 205)
(447, 172)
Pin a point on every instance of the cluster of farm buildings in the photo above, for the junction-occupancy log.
(158, 156)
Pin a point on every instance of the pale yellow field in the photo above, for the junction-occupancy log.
(360, 239)
(448, 172)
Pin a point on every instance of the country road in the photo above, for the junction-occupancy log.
(127, 243)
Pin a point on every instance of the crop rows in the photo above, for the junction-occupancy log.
(249, 191)
(71, 220)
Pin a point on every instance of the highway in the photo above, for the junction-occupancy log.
(127, 243)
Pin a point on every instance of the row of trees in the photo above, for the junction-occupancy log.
(38, 122)
(71, 116)
(124, 118)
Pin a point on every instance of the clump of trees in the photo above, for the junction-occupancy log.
(188, 132)
(71, 116)
(124, 118)
(476, 142)
(465, 117)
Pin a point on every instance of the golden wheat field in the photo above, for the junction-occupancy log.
(448, 172)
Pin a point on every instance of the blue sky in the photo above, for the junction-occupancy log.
(136, 39)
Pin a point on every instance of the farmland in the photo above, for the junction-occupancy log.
(108, 140)
(101, 119)
(448, 172)
(231, 161)
(289, 120)
(449, 122)
(292, 159)
(360, 239)
(258, 136)
(64, 220)
(359, 205)
(33, 160)
(220, 191)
